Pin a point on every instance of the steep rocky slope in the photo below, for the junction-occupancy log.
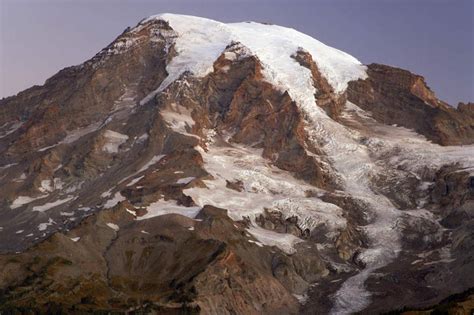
(199, 167)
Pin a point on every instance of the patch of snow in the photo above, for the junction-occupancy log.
(46, 186)
(285, 242)
(229, 55)
(114, 140)
(44, 226)
(53, 204)
(302, 299)
(178, 118)
(257, 243)
(136, 180)
(185, 180)
(142, 138)
(23, 200)
(58, 167)
(48, 147)
(162, 207)
(7, 166)
(21, 178)
(191, 228)
(66, 214)
(19, 231)
(225, 69)
(153, 160)
(114, 200)
(75, 135)
(144, 232)
(125, 101)
(113, 226)
(131, 212)
(75, 239)
(10, 128)
(210, 136)
(107, 193)
(73, 188)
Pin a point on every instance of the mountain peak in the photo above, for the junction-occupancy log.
(200, 41)
(229, 168)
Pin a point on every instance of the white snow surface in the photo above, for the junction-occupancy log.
(113, 226)
(114, 140)
(179, 118)
(162, 207)
(185, 181)
(199, 42)
(264, 186)
(50, 205)
(8, 128)
(285, 242)
(23, 200)
(406, 150)
(44, 226)
(155, 159)
(135, 180)
(114, 200)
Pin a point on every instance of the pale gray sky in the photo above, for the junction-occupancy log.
(434, 38)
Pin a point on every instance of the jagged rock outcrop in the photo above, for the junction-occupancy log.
(396, 96)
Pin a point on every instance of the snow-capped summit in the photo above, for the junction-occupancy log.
(201, 41)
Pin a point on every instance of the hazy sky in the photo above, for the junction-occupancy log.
(434, 38)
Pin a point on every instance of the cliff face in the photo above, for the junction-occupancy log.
(396, 96)
(194, 166)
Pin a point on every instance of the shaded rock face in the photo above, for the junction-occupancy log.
(216, 194)
(396, 96)
(161, 264)
(88, 93)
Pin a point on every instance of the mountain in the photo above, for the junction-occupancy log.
(193, 166)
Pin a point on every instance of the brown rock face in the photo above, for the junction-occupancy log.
(396, 96)
(111, 262)
(89, 93)
(262, 117)
(325, 96)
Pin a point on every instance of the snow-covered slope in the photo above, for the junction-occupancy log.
(201, 41)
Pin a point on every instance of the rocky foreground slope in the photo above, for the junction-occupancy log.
(199, 167)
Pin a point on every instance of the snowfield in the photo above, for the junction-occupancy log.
(264, 187)
(199, 42)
